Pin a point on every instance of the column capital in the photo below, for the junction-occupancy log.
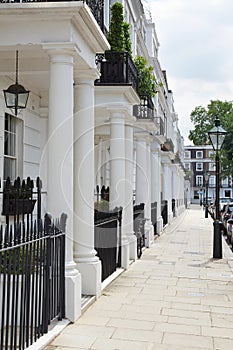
(118, 111)
(86, 76)
(56, 50)
(140, 137)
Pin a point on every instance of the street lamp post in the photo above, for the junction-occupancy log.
(216, 136)
(207, 176)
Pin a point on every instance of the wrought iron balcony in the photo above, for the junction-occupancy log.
(117, 68)
(145, 110)
(96, 6)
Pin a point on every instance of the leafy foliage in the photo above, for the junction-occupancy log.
(127, 40)
(203, 120)
(116, 29)
(147, 84)
(119, 30)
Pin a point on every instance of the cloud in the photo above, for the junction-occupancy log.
(195, 48)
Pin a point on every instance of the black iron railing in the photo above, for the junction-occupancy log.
(32, 288)
(145, 110)
(96, 6)
(117, 68)
(154, 216)
(174, 207)
(139, 230)
(164, 211)
(108, 240)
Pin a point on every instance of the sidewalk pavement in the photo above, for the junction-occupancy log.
(176, 297)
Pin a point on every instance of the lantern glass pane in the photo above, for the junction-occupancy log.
(10, 99)
(22, 99)
(214, 140)
(221, 138)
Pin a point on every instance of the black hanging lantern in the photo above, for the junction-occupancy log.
(16, 96)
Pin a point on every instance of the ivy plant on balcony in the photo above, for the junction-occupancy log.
(147, 84)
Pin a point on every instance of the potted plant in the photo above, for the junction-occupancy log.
(147, 84)
(17, 198)
(116, 64)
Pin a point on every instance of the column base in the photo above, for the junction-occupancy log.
(149, 233)
(73, 296)
(159, 225)
(125, 253)
(132, 247)
(91, 276)
(170, 216)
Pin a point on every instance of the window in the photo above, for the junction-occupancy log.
(212, 166)
(212, 181)
(199, 154)
(9, 147)
(187, 166)
(187, 154)
(225, 182)
(13, 145)
(211, 154)
(199, 180)
(199, 166)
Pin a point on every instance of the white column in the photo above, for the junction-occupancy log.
(129, 230)
(156, 183)
(148, 224)
(60, 161)
(117, 173)
(98, 164)
(167, 187)
(141, 166)
(85, 255)
(143, 183)
(175, 186)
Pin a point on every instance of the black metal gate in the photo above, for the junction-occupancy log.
(139, 230)
(108, 240)
(154, 216)
(164, 212)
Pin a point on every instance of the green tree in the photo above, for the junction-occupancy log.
(203, 121)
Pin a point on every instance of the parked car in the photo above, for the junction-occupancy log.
(226, 215)
(222, 201)
(230, 229)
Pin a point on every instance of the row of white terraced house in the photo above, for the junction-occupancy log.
(79, 130)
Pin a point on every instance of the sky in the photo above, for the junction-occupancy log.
(196, 50)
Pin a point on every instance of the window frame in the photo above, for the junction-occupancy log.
(201, 157)
(197, 166)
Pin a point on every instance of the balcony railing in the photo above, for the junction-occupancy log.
(96, 6)
(117, 68)
(145, 110)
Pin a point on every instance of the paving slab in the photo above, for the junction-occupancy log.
(176, 297)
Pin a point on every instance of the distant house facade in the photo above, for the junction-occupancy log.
(199, 160)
